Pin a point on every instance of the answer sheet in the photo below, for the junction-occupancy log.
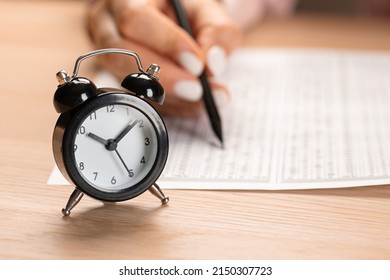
(297, 119)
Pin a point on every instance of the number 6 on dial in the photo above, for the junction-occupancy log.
(110, 143)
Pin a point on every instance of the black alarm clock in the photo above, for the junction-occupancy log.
(110, 143)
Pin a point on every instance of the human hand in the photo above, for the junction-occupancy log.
(149, 28)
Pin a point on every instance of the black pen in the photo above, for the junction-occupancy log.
(207, 96)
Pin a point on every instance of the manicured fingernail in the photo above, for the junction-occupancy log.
(188, 90)
(216, 60)
(191, 63)
(221, 98)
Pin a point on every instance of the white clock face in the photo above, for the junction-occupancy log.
(115, 147)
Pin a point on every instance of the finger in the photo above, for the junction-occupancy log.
(175, 80)
(216, 32)
(183, 90)
(144, 23)
(177, 107)
(101, 28)
(212, 24)
(104, 34)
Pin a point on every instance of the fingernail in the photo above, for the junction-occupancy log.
(191, 63)
(221, 98)
(188, 90)
(216, 60)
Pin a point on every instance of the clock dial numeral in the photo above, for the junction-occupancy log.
(93, 116)
(110, 108)
(81, 165)
(131, 173)
(143, 160)
(95, 174)
(113, 180)
(81, 130)
(147, 141)
(75, 148)
(141, 123)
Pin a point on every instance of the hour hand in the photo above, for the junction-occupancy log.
(97, 138)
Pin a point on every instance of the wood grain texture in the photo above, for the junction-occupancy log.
(47, 36)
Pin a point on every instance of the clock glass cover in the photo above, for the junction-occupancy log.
(115, 147)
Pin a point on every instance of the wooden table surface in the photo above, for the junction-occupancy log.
(38, 38)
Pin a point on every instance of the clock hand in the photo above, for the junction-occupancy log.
(112, 144)
(125, 131)
(97, 138)
(131, 174)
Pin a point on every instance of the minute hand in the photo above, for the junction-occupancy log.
(125, 131)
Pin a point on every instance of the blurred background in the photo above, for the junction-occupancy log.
(354, 7)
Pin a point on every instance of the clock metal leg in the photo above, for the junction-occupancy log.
(156, 191)
(74, 198)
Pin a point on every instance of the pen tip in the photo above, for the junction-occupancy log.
(222, 145)
(218, 132)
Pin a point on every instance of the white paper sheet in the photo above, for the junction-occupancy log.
(297, 119)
